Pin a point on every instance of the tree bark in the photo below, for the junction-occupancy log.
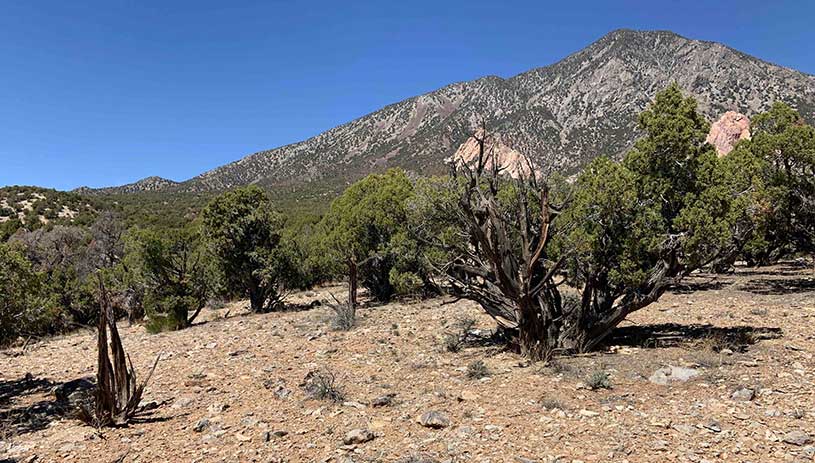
(353, 277)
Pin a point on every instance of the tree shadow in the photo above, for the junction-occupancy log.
(689, 287)
(736, 338)
(780, 286)
(59, 404)
(28, 384)
(22, 419)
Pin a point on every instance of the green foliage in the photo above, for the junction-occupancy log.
(598, 380)
(244, 235)
(667, 204)
(170, 266)
(358, 230)
(25, 308)
(774, 175)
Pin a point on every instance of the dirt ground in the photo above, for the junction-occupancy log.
(229, 389)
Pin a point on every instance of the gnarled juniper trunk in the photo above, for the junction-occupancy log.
(503, 263)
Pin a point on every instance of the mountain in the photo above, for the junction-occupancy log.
(146, 184)
(561, 115)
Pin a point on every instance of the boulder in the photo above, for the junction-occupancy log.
(729, 129)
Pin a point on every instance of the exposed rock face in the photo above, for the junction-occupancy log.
(562, 115)
(729, 129)
(511, 161)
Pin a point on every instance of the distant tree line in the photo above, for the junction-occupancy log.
(557, 262)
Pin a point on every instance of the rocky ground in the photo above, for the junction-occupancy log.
(719, 370)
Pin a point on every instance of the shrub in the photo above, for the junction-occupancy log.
(477, 370)
(322, 385)
(455, 339)
(170, 266)
(598, 380)
(25, 308)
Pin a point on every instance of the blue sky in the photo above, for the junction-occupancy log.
(104, 93)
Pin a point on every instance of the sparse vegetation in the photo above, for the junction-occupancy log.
(598, 379)
(460, 334)
(322, 385)
(477, 370)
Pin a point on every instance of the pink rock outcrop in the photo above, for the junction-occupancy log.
(729, 129)
(510, 160)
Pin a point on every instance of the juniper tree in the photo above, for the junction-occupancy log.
(561, 271)
(359, 226)
(243, 233)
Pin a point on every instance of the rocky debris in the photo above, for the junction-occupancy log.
(743, 395)
(673, 374)
(635, 421)
(358, 436)
(797, 437)
(434, 419)
(729, 129)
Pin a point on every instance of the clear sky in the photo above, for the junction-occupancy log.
(106, 92)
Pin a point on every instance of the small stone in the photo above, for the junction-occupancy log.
(684, 428)
(673, 374)
(217, 408)
(660, 446)
(796, 438)
(743, 395)
(183, 402)
(434, 419)
(201, 425)
(588, 413)
(383, 401)
(281, 392)
(713, 425)
(353, 404)
(358, 436)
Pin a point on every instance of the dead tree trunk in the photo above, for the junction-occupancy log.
(117, 392)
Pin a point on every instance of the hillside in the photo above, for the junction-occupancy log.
(230, 389)
(561, 115)
(40, 206)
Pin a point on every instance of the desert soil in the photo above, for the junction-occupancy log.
(229, 388)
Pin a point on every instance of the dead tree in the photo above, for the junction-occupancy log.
(501, 261)
(118, 394)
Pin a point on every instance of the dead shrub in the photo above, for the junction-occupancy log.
(322, 385)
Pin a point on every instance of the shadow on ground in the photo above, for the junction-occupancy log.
(22, 419)
(781, 286)
(736, 338)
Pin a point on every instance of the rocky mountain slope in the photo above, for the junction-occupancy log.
(560, 115)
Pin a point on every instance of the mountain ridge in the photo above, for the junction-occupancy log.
(562, 114)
